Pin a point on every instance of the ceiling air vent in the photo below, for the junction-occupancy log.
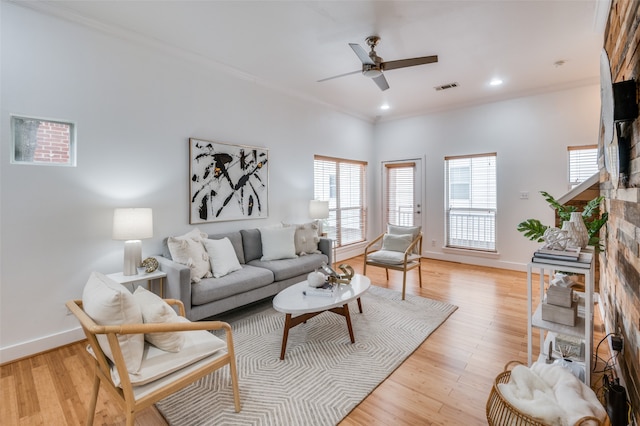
(446, 86)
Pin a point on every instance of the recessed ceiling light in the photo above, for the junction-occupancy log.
(495, 82)
(384, 106)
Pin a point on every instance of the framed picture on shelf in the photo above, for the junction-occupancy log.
(227, 182)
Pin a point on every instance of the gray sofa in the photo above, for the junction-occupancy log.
(256, 280)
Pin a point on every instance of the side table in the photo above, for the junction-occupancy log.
(148, 277)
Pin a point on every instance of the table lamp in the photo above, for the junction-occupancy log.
(132, 225)
(319, 209)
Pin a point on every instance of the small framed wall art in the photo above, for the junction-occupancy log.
(227, 182)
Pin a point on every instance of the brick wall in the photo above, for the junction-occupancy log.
(620, 263)
(53, 143)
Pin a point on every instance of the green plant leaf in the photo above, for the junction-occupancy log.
(533, 229)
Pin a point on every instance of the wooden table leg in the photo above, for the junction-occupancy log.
(347, 316)
(285, 335)
(360, 305)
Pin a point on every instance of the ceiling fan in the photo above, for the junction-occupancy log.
(373, 65)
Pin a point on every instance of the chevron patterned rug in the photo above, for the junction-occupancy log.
(323, 376)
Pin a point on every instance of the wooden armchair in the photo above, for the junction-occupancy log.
(134, 397)
(388, 252)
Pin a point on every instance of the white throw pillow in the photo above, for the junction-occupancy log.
(190, 252)
(222, 256)
(109, 303)
(404, 230)
(155, 310)
(396, 242)
(306, 237)
(278, 243)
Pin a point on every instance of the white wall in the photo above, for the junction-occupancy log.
(530, 136)
(135, 108)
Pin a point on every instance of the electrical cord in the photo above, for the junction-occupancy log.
(595, 361)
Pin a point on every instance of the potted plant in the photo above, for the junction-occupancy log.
(533, 229)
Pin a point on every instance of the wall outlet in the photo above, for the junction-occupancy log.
(524, 195)
(433, 243)
(617, 343)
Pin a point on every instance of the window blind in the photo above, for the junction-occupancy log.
(342, 183)
(583, 163)
(400, 193)
(471, 201)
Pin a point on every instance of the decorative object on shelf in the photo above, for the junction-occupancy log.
(562, 280)
(555, 239)
(316, 279)
(534, 230)
(132, 225)
(572, 233)
(227, 182)
(581, 234)
(150, 264)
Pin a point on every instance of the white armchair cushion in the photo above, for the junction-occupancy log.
(222, 257)
(396, 242)
(404, 230)
(278, 243)
(157, 363)
(390, 257)
(156, 310)
(109, 303)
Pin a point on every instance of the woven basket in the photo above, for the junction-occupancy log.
(501, 413)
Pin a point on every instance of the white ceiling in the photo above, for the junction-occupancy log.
(289, 45)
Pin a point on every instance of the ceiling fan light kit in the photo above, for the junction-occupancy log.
(373, 66)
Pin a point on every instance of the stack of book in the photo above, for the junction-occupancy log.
(571, 256)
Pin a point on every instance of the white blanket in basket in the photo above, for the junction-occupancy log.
(551, 394)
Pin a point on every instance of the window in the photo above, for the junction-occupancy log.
(470, 188)
(43, 142)
(399, 193)
(583, 163)
(342, 183)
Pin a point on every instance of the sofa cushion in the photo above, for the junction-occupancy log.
(222, 257)
(278, 243)
(246, 279)
(306, 237)
(156, 310)
(193, 234)
(252, 244)
(156, 363)
(236, 241)
(288, 268)
(191, 253)
(109, 303)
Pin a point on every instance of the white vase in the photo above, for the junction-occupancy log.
(572, 233)
(582, 235)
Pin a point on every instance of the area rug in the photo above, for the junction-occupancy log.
(323, 376)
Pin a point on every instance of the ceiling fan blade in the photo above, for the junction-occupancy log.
(381, 82)
(362, 54)
(341, 75)
(403, 63)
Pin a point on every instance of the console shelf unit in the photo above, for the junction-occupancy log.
(584, 324)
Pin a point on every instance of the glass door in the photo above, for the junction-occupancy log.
(402, 192)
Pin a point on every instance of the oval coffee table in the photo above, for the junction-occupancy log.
(292, 301)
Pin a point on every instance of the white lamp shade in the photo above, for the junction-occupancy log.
(132, 224)
(318, 209)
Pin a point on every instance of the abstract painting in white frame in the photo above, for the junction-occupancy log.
(227, 182)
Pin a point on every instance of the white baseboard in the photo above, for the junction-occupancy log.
(32, 347)
(479, 260)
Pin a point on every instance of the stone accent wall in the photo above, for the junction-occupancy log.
(620, 264)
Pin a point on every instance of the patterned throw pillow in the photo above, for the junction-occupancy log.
(188, 250)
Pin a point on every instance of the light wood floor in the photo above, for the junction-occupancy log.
(446, 381)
